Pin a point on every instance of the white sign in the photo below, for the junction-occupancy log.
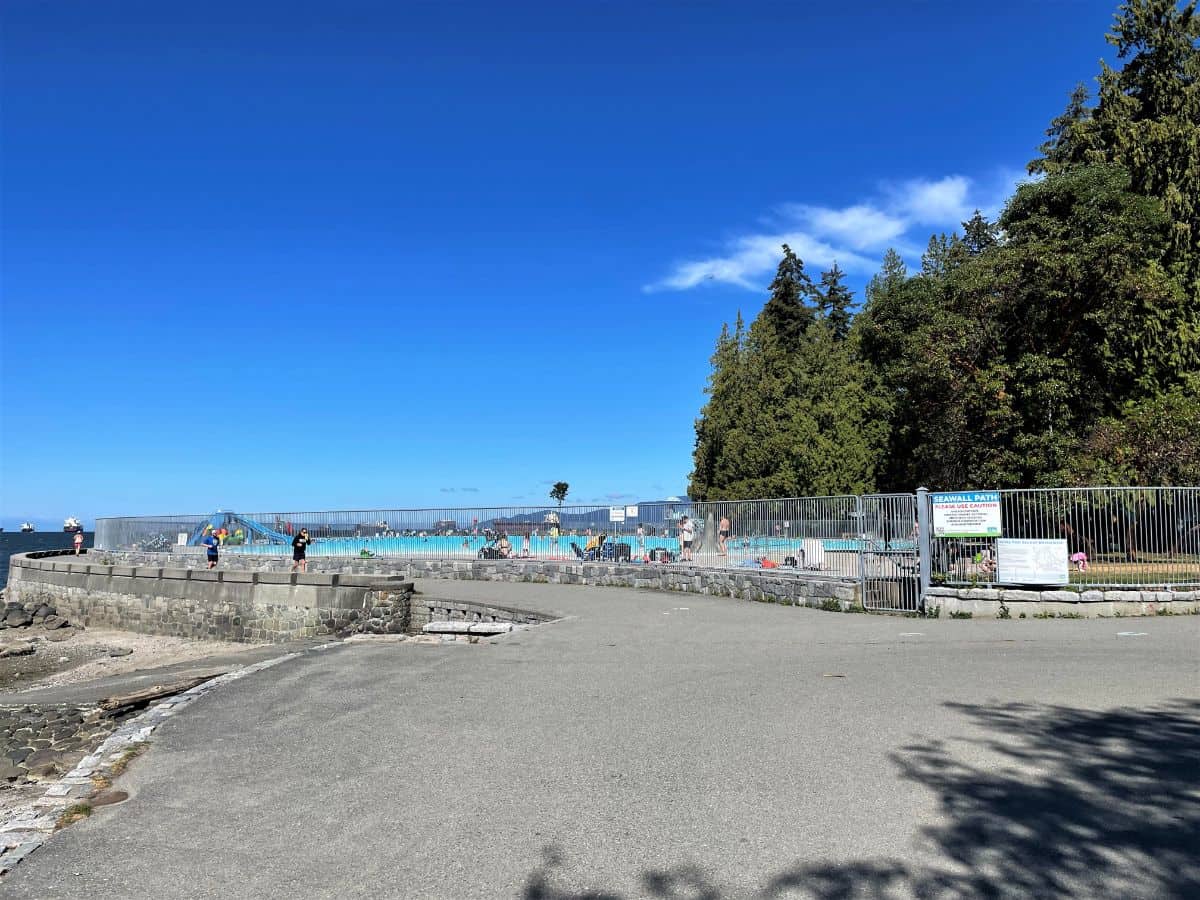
(616, 514)
(631, 512)
(966, 514)
(1032, 561)
(181, 538)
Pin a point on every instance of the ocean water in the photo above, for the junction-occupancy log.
(14, 542)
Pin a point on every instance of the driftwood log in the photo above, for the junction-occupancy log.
(121, 703)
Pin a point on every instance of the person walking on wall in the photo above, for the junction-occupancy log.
(78, 541)
(687, 534)
(300, 550)
(211, 543)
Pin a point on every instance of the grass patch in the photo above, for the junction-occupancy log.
(101, 782)
(1005, 612)
(830, 605)
(132, 752)
(961, 614)
(933, 612)
(73, 814)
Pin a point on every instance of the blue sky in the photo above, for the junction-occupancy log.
(343, 255)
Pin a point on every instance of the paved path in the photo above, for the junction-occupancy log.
(637, 749)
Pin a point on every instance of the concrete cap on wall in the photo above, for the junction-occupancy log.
(276, 578)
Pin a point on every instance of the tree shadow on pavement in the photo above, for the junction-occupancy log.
(1049, 802)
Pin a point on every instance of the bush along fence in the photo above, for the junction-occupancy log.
(1081, 544)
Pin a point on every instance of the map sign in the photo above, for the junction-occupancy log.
(1032, 561)
(616, 514)
(966, 514)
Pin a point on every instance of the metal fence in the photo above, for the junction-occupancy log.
(1137, 537)
(816, 533)
(1114, 537)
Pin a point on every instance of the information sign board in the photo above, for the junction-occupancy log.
(966, 514)
(1032, 561)
(616, 514)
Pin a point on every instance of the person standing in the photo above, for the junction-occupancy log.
(211, 543)
(78, 541)
(300, 550)
(724, 530)
(687, 535)
(641, 542)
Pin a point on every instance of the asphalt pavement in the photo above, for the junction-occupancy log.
(673, 745)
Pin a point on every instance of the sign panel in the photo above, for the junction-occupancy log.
(966, 514)
(631, 512)
(1032, 561)
(616, 514)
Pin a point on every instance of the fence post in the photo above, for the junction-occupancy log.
(862, 551)
(924, 556)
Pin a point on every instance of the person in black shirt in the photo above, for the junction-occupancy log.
(300, 550)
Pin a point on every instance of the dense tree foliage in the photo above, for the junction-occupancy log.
(1057, 345)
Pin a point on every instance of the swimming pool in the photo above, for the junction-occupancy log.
(543, 546)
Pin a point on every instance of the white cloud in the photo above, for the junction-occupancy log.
(938, 202)
(861, 226)
(854, 236)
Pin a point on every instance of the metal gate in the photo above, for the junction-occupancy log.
(889, 557)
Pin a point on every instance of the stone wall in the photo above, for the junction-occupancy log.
(213, 605)
(1003, 602)
(788, 587)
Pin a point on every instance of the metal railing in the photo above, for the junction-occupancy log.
(1114, 537)
(816, 533)
(1136, 537)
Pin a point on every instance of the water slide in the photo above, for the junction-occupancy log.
(232, 522)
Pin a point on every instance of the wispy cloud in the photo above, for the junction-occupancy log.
(901, 215)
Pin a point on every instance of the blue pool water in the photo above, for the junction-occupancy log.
(541, 546)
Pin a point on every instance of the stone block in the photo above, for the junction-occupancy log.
(1020, 596)
(1123, 596)
(490, 628)
(240, 577)
(1060, 597)
(942, 592)
(447, 628)
(206, 575)
(1157, 597)
(147, 572)
(1091, 597)
(122, 571)
(982, 594)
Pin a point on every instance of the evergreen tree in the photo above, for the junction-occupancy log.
(834, 300)
(1069, 137)
(720, 414)
(979, 235)
(1146, 120)
(784, 320)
